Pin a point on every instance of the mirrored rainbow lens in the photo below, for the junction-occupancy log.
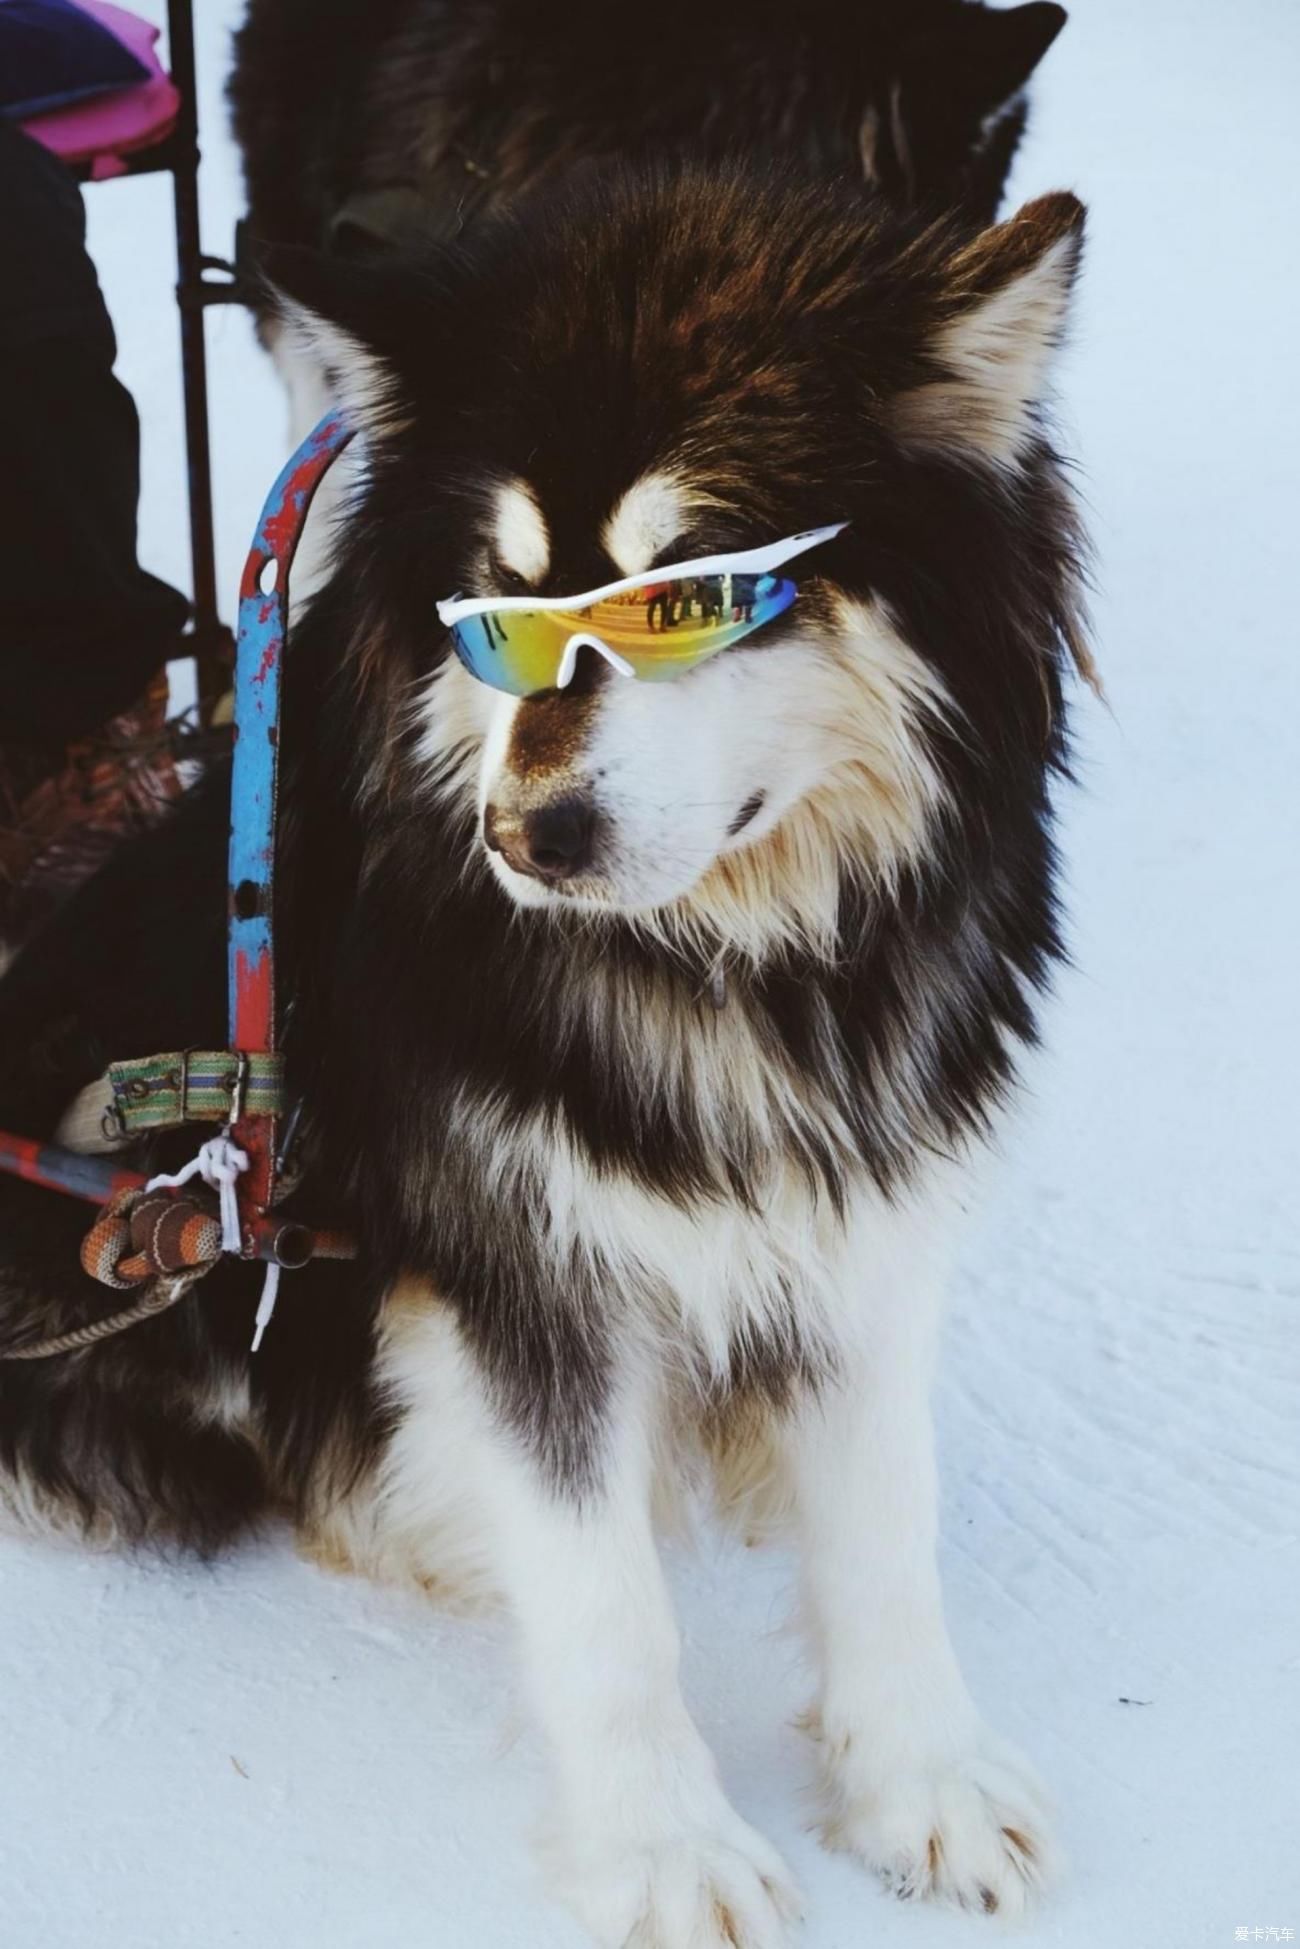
(659, 630)
(519, 652)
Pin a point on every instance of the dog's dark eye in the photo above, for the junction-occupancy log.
(689, 546)
(505, 581)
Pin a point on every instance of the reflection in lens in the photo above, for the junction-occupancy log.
(656, 629)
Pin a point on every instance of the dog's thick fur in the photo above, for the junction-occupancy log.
(614, 1237)
(361, 118)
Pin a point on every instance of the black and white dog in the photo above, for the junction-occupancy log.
(618, 1239)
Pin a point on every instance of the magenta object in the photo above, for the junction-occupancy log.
(100, 133)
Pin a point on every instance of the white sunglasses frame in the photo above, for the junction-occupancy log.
(774, 554)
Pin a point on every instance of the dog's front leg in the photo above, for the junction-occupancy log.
(916, 1786)
(642, 1841)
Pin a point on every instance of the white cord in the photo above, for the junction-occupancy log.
(221, 1164)
(266, 1304)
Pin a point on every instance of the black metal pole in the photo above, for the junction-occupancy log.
(211, 640)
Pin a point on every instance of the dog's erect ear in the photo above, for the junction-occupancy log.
(978, 62)
(1003, 308)
(985, 55)
(359, 321)
(952, 80)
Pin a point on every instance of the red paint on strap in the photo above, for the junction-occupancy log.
(266, 668)
(280, 530)
(253, 1006)
(20, 1155)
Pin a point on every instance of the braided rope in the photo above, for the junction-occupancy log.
(162, 1242)
(159, 1294)
(148, 1241)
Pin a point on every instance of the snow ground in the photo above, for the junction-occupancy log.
(254, 1753)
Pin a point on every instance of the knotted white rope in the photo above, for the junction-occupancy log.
(221, 1163)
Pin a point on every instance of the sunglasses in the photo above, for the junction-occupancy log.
(648, 626)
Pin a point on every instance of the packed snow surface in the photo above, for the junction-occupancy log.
(253, 1752)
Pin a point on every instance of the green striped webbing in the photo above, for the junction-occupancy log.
(195, 1086)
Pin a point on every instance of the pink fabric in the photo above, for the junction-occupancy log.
(104, 130)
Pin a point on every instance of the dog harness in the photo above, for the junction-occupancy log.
(158, 1236)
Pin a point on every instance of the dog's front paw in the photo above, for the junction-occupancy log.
(972, 1831)
(718, 1888)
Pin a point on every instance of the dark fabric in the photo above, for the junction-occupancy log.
(52, 54)
(82, 625)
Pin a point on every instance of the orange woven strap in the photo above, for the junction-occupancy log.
(140, 1234)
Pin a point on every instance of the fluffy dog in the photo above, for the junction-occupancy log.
(648, 1034)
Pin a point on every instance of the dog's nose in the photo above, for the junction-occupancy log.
(552, 842)
(557, 839)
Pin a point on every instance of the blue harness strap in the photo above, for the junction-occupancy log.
(259, 657)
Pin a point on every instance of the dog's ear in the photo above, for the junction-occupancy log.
(949, 82)
(984, 56)
(1002, 309)
(358, 321)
